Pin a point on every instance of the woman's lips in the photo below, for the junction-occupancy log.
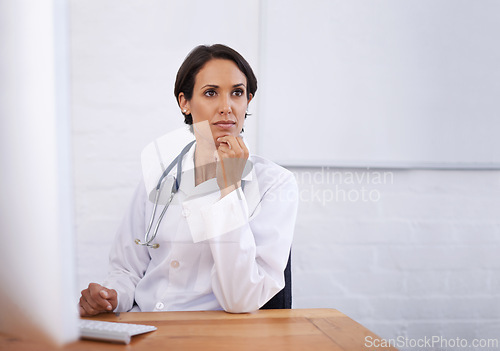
(225, 124)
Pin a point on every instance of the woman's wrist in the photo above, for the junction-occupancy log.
(229, 189)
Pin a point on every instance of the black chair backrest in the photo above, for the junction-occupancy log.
(283, 299)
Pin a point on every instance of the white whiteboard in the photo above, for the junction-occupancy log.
(380, 83)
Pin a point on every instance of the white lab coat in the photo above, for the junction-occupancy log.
(214, 253)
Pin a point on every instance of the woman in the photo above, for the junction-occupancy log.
(223, 249)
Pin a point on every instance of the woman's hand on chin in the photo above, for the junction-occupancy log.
(232, 156)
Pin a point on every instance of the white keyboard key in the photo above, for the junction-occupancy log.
(111, 331)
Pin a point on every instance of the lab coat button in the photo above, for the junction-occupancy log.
(174, 264)
(186, 212)
(159, 306)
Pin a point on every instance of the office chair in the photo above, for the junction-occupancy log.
(283, 299)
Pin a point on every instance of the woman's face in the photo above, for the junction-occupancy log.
(219, 99)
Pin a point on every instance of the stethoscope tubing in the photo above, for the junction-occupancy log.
(175, 187)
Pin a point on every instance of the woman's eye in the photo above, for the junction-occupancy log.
(238, 92)
(210, 93)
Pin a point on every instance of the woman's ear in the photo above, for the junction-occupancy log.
(250, 97)
(183, 104)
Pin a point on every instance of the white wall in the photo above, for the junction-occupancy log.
(376, 75)
(419, 258)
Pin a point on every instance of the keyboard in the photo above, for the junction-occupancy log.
(111, 331)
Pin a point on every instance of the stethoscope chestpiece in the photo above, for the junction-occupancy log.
(153, 246)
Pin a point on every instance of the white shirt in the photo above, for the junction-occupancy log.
(214, 253)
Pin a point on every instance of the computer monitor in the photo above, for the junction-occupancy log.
(37, 281)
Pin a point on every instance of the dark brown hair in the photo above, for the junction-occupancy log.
(194, 62)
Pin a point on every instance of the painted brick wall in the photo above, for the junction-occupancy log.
(419, 259)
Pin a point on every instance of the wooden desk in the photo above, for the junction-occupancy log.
(299, 329)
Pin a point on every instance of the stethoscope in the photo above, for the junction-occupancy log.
(175, 187)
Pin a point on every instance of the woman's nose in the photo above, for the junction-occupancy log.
(225, 106)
